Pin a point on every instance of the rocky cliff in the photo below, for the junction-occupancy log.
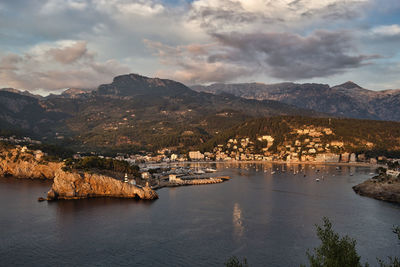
(73, 185)
(20, 162)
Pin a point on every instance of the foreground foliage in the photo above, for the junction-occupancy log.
(335, 251)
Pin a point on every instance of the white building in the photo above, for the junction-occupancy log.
(353, 157)
(173, 178)
(146, 175)
(196, 155)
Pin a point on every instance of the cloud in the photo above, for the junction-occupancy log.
(70, 53)
(56, 6)
(60, 65)
(195, 40)
(292, 56)
(228, 15)
(386, 30)
(280, 55)
(190, 63)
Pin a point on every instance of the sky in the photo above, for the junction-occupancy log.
(48, 45)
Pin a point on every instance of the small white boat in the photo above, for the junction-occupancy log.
(210, 170)
(199, 172)
(273, 172)
(317, 180)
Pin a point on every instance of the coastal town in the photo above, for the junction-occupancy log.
(307, 144)
(169, 167)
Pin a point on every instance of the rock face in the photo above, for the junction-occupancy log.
(84, 185)
(20, 164)
(382, 190)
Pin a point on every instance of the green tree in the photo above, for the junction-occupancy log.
(235, 262)
(335, 251)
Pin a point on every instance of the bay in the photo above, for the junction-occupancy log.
(269, 218)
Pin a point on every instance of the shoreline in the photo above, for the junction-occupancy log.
(380, 188)
(353, 164)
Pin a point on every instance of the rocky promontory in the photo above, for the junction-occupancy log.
(380, 187)
(74, 185)
(20, 162)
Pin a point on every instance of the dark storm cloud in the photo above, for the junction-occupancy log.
(291, 56)
(285, 56)
(214, 18)
(221, 14)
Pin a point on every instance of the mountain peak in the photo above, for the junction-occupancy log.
(135, 84)
(349, 85)
(19, 92)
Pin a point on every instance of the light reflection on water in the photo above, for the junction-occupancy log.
(237, 222)
(268, 218)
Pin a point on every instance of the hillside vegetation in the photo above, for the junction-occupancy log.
(137, 113)
(295, 134)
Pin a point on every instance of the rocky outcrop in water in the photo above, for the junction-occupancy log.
(380, 188)
(74, 185)
(19, 162)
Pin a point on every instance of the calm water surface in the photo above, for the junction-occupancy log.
(268, 218)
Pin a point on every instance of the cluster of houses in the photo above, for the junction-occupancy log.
(314, 144)
(306, 144)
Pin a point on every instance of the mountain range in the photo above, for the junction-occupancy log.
(345, 100)
(134, 112)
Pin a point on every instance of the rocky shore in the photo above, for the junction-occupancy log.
(380, 187)
(22, 163)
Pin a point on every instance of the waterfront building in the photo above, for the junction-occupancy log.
(174, 157)
(146, 175)
(196, 155)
